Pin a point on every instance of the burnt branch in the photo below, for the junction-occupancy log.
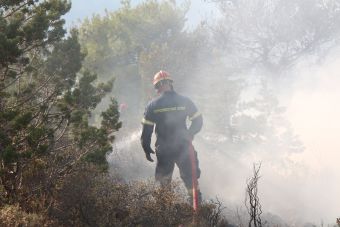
(252, 201)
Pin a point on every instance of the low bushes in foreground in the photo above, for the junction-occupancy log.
(94, 199)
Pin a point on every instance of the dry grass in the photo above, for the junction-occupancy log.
(13, 215)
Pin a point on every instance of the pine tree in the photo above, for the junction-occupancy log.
(46, 102)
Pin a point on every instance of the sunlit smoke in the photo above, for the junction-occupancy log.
(314, 113)
(299, 187)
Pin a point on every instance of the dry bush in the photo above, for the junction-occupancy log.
(90, 198)
(13, 215)
(211, 214)
(75, 200)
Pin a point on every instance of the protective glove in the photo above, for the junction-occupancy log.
(148, 155)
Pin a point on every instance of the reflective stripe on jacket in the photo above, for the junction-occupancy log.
(168, 114)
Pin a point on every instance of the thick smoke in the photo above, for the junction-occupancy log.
(314, 113)
(297, 186)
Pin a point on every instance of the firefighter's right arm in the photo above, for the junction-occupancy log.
(147, 131)
(146, 138)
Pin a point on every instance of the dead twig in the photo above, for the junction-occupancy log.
(252, 201)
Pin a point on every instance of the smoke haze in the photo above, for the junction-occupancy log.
(314, 113)
(298, 187)
(299, 182)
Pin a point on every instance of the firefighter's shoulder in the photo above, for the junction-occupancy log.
(184, 99)
(153, 102)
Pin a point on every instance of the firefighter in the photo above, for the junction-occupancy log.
(168, 114)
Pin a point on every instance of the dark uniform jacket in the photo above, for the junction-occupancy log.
(168, 114)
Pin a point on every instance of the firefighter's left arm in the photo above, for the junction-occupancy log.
(196, 119)
(196, 125)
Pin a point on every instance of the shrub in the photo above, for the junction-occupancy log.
(91, 198)
(13, 215)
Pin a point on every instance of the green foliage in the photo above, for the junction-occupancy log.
(21, 121)
(45, 106)
(110, 121)
(100, 139)
(25, 24)
(66, 61)
(9, 154)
